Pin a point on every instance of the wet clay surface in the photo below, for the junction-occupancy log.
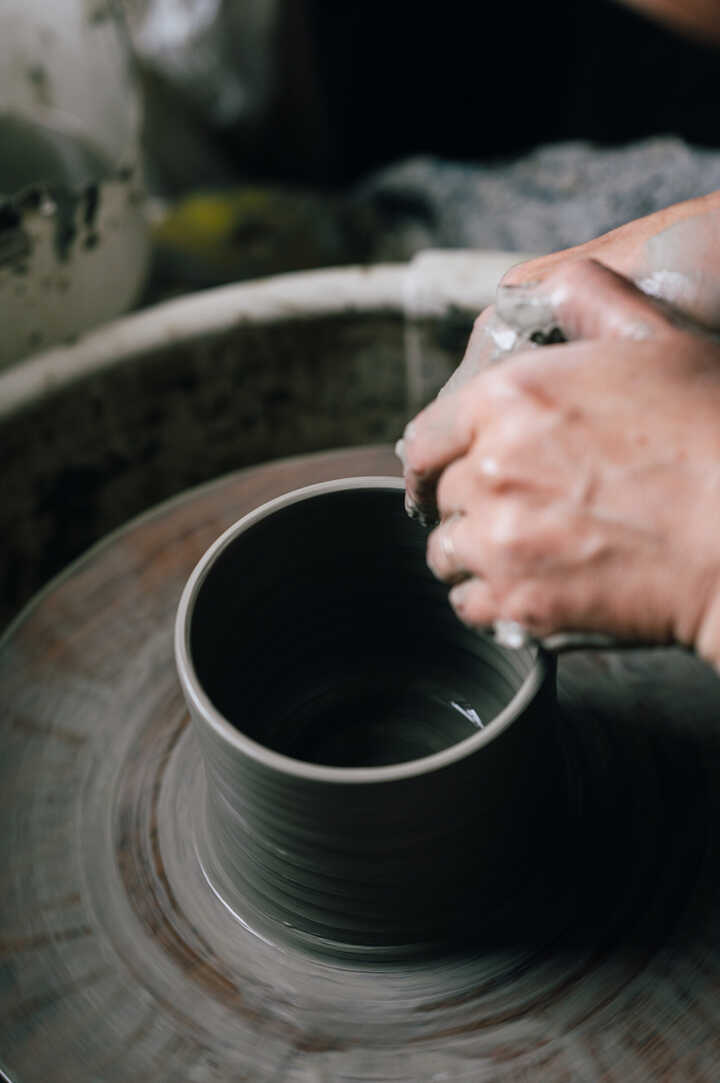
(117, 962)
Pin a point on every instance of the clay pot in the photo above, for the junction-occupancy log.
(375, 772)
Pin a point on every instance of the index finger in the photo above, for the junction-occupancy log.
(491, 339)
(440, 433)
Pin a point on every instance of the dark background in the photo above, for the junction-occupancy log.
(367, 83)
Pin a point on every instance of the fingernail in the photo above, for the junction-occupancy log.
(459, 593)
(411, 507)
(419, 514)
(524, 307)
(400, 451)
(426, 518)
(456, 597)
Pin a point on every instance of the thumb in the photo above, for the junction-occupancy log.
(582, 299)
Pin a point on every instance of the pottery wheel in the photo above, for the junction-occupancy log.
(117, 962)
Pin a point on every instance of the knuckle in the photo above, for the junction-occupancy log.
(486, 470)
(509, 533)
(577, 274)
(513, 436)
(503, 383)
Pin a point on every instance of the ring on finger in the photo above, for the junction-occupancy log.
(451, 568)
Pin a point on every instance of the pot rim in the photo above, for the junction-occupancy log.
(204, 710)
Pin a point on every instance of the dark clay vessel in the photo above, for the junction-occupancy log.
(376, 774)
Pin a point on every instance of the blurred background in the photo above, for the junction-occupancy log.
(239, 138)
(151, 149)
(365, 131)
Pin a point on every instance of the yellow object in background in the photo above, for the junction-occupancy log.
(213, 237)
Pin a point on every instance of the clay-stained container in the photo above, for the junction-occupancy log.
(74, 235)
(376, 773)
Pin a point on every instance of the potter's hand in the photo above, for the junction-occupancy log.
(579, 485)
(673, 255)
(589, 302)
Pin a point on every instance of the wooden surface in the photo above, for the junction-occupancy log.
(118, 964)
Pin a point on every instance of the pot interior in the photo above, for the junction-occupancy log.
(320, 633)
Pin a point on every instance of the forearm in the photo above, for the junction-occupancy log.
(673, 254)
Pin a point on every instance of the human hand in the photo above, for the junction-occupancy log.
(579, 486)
(673, 256)
(590, 302)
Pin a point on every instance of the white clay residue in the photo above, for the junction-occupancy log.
(503, 337)
(682, 269)
(672, 286)
(527, 308)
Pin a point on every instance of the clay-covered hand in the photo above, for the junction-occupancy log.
(590, 302)
(672, 255)
(579, 486)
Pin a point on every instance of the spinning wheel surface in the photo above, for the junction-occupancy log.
(118, 963)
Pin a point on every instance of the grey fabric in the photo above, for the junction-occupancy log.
(552, 198)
